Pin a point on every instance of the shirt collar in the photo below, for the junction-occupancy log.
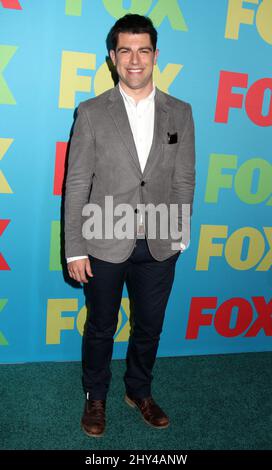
(131, 100)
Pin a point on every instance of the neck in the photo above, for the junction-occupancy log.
(138, 93)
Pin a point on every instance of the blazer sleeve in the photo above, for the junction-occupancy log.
(81, 162)
(183, 181)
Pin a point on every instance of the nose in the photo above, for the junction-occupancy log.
(134, 57)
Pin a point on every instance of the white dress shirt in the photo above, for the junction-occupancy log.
(141, 120)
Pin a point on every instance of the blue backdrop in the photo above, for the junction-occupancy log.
(215, 55)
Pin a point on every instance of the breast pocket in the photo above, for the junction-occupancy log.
(171, 147)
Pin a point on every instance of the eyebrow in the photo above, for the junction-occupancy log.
(129, 48)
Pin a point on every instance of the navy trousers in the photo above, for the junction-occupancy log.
(149, 284)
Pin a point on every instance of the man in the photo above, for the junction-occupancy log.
(135, 144)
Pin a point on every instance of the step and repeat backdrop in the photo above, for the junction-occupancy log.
(215, 54)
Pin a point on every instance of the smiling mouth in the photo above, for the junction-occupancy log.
(135, 70)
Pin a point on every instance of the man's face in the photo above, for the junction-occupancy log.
(134, 59)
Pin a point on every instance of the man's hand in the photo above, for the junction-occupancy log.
(78, 269)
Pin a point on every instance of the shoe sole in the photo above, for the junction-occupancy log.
(133, 405)
(89, 434)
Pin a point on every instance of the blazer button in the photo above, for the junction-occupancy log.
(142, 183)
(136, 211)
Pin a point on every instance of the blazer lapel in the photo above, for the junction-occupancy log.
(160, 130)
(118, 113)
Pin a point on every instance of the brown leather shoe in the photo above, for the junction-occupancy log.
(93, 420)
(151, 412)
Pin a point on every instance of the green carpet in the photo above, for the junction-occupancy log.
(214, 402)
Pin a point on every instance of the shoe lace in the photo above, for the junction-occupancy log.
(97, 406)
(148, 405)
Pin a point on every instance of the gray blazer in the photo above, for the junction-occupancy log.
(103, 161)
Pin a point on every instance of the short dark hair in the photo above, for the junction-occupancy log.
(131, 23)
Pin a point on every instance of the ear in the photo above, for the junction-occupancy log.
(112, 56)
(156, 56)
